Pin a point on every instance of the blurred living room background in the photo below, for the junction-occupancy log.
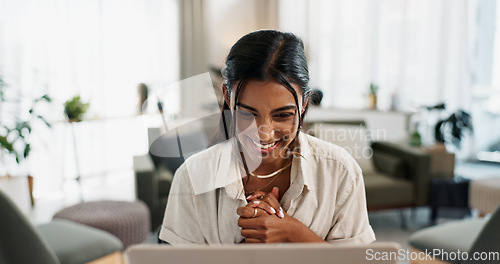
(396, 66)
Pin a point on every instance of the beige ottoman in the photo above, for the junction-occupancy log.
(129, 221)
(484, 195)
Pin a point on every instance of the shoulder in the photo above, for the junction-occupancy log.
(335, 170)
(208, 160)
(329, 154)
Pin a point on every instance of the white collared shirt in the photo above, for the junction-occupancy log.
(326, 194)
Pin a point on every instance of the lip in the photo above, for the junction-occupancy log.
(266, 150)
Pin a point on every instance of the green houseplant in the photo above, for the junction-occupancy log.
(372, 96)
(75, 109)
(15, 135)
(453, 128)
(16, 132)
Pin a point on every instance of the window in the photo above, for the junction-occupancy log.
(100, 50)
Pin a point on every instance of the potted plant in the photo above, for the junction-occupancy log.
(415, 139)
(453, 128)
(15, 133)
(75, 109)
(372, 96)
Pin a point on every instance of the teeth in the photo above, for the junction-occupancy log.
(265, 146)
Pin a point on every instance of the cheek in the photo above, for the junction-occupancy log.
(245, 125)
(288, 130)
(287, 135)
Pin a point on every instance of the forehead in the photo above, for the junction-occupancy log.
(270, 93)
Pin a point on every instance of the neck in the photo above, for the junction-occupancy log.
(271, 167)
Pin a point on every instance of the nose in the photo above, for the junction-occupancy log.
(266, 131)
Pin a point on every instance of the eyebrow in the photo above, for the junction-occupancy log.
(288, 107)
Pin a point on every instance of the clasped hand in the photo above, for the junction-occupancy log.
(263, 220)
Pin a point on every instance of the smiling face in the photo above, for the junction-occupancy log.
(267, 120)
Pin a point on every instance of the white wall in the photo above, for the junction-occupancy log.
(224, 22)
(229, 20)
(383, 125)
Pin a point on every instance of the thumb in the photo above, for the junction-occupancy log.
(275, 192)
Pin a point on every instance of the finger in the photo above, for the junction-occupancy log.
(251, 233)
(248, 212)
(252, 240)
(269, 199)
(255, 195)
(273, 202)
(275, 192)
(245, 211)
(246, 223)
(263, 205)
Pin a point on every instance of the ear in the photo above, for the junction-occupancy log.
(306, 101)
(226, 94)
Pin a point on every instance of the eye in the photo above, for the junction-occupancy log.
(245, 114)
(284, 116)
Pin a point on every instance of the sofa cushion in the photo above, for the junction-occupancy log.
(450, 237)
(383, 191)
(390, 164)
(80, 243)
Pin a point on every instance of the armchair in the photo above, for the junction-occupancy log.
(57, 242)
(396, 176)
(404, 168)
(167, 151)
(473, 236)
(152, 186)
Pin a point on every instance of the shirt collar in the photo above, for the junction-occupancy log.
(212, 169)
(229, 174)
(305, 162)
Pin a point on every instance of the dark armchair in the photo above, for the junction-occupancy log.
(401, 178)
(395, 175)
(57, 242)
(167, 151)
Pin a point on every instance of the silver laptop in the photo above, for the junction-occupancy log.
(384, 252)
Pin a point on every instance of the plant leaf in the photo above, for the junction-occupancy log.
(439, 131)
(467, 120)
(45, 98)
(75, 109)
(45, 121)
(5, 143)
(455, 130)
(27, 150)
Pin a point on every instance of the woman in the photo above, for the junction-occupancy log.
(269, 183)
